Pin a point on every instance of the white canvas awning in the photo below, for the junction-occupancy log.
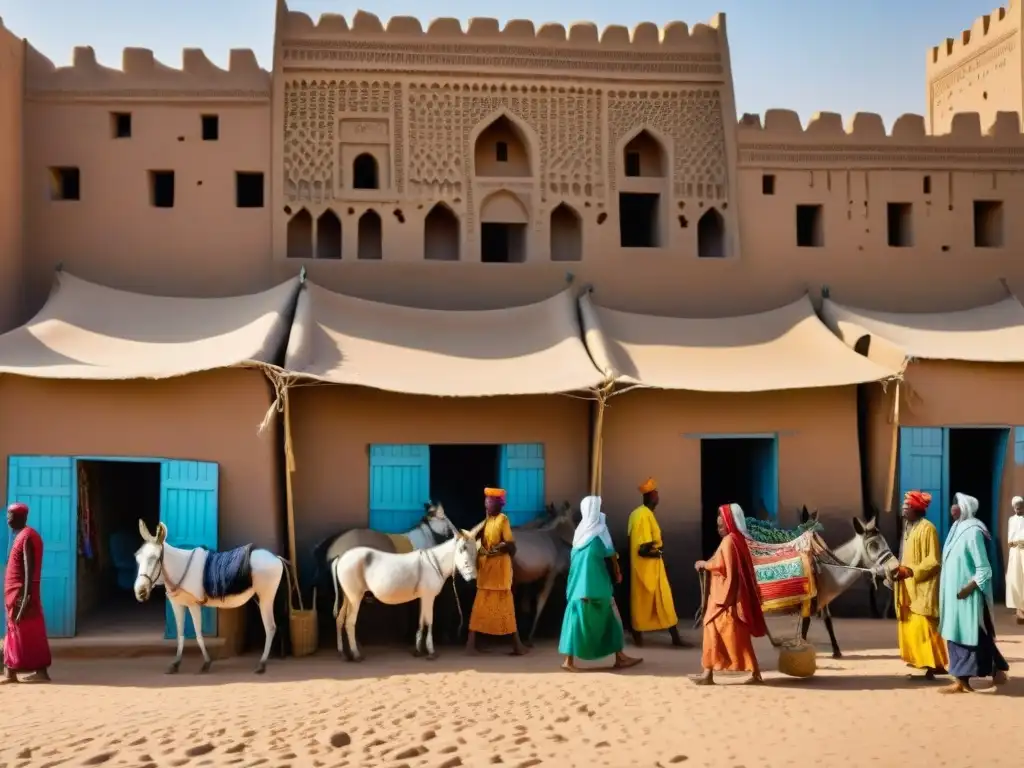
(989, 334)
(89, 331)
(785, 348)
(528, 350)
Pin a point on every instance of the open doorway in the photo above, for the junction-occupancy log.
(458, 476)
(112, 497)
(976, 468)
(741, 470)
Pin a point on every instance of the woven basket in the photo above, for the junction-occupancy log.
(798, 660)
(303, 626)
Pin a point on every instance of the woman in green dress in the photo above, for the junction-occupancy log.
(591, 628)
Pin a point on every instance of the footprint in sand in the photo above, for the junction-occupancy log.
(99, 759)
(199, 750)
(452, 762)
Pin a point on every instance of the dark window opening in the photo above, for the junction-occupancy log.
(632, 164)
(711, 235)
(161, 189)
(768, 184)
(988, 224)
(211, 127)
(365, 173)
(809, 227)
(248, 190)
(900, 224)
(502, 243)
(121, 125)
(456, 474)
(638, 220)
(65, 184)
(371, 245)
(501, 152)
(328, 235)
(739, 470)
(927, 185)
(114, 496)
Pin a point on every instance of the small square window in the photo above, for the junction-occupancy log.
(900, 224)
(501, 152)
(632, 164)
(988, 224)
(211, 127)
(65, 184)
(121, 125)
(248, 190)
(809, 228)
(768, 184)
(927, 185)
(161, 189)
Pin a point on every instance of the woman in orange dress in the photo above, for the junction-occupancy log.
(494, 610)
(733, 615)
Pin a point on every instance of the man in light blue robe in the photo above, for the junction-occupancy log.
(965, 599)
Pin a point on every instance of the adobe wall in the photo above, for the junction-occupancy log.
(12, 78)
(204, 245)
(333, 426)
(950, 394)
(203, 417)
(981, 70)
(656, 433)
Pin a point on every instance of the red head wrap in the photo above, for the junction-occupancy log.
(747, 594)
(918, 500)
(18, 508)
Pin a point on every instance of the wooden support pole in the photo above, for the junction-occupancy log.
(595, 447)
(289, 469)
(893, 448)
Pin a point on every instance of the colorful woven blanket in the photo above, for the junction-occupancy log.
(769, 533)
(784, 572)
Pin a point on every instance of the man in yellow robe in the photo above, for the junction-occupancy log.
(650, 596)
(917, 591)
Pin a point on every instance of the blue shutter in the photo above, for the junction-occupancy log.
(188, 507)
(995, 549)
(1018, 446)
(522, 477)
(399, 486)
(924, 466)
(47, 485)
(766, 477)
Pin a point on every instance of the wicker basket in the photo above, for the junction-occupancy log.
(798, 659)
(301, 623)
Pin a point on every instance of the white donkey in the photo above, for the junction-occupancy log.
(181, 571)
(394, 579)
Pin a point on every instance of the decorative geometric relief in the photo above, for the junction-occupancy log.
(311, 109)
(566, 122)
(692, 119)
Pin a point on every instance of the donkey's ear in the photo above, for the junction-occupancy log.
(804, 514)
(144, 531)
(858, 526)
(161, 533)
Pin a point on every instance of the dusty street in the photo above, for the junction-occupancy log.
(395, 711)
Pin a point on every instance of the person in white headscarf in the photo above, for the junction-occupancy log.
(591, 628)
(1015, 561)
(965, 599)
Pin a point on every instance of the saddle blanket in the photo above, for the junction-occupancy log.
(228, 573)
(784, 572)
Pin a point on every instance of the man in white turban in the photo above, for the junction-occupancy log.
(1015, 562)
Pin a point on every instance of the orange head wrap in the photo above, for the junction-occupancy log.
(495, 493)
(648, 485)
(918, 500)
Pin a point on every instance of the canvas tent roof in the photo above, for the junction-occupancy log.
(89, 331)
(784, 348)
(527, 350)
(989, 334)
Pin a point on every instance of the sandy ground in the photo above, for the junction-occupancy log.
(394, 711)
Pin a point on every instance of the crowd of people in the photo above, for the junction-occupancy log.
(943, 593)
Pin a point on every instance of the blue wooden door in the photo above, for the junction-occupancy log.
(188, 507)
(766, 476)
(521, 474)
(399, 486)
(995, 548)
(924, 466)
(47, 485)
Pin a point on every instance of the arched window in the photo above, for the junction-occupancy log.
(711, 235)
(501, 150)
(441, 234)
(365, 173)
(371, 244)
(328, 235)
(566, 234)
(300, 235)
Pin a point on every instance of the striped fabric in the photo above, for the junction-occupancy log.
(785, 574)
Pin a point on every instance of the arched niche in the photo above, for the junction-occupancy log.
(441, 234)
(328, 235)
(711, 235)
(371, 237)
(502, 149)
(300, 236)
(365, 172)
(566, 231)
(644, 156)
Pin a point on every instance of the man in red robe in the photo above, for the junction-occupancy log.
(26, 649)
